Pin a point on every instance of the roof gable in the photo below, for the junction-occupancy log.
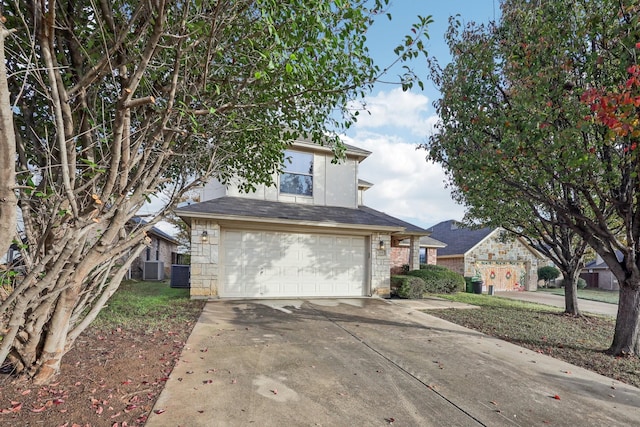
(459, 240)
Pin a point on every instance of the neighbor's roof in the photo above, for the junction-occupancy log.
(425, 242)
(458, 239)
(430, 242)
(246, 209)
(155, 230)
(599, 264)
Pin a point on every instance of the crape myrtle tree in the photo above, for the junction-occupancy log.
(513, 111)
(105, 103)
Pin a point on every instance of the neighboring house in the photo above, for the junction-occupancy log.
(307, 236)
(401, 252)
(598, 275)
(503, 261)
(154, 263)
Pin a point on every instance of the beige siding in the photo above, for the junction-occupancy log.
(341, 183)
(333, 185)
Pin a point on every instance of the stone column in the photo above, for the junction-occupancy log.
(204, 259)
(380, 265)
(414, 253)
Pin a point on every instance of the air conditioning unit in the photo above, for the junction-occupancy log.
(153, 270)
(180, 276)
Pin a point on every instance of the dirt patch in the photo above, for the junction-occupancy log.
(110, 378)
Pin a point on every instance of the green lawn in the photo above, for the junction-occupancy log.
(147, 305)
(581, 341)
(610, 297)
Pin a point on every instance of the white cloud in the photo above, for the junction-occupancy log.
(405, 184)
(397, 109)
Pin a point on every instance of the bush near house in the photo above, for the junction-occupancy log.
(410, 287)
(548, 274)
(581, 283)
(440, 280)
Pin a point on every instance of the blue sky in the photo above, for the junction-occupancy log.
(405, 184)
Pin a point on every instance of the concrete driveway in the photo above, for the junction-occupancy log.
(371, 362)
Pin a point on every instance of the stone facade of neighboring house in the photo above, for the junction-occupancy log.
(503, 261)
(310, 235)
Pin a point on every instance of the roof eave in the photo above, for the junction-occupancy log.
(292, 222)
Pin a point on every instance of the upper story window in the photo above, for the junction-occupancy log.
(297, 174)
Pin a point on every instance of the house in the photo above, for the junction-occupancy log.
(597, 274)
(309, 235)
(503, 261)
(401, 252)
(154, 263)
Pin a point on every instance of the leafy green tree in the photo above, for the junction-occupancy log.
(110, 102)
(548, 273)
(512, 116)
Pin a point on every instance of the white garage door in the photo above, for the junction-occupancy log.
(278, 264)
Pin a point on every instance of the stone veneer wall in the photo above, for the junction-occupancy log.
(381, 265)
(204, 259)
(495, 249)
(414, 253)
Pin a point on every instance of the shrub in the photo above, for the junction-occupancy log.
(408, 286)
(440, 280)
(582, 283)
(547, 274)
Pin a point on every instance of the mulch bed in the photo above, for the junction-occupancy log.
(110, 378)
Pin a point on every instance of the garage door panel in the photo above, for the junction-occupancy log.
(278, 264)
(502, 275)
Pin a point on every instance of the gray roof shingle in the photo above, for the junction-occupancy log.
(255, 208)
(458, 239)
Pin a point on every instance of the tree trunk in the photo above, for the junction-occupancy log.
(625, 338)
(8, 199)
(56, 338)
(571, 293)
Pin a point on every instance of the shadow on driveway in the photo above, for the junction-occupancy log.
(371, 362)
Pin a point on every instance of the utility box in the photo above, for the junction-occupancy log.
(180, 276)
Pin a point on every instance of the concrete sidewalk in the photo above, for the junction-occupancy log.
(372, 362)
